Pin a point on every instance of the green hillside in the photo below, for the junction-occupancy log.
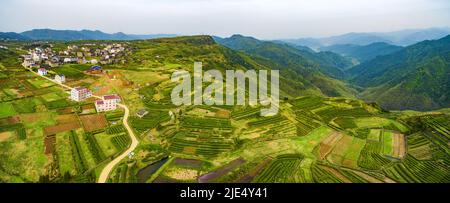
(416, 77)
(319, 70)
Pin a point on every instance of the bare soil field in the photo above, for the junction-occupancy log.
(6, 135)
(66, 118)
(328, 143)
(338, 152)
(52, 130)
(49, 143)
(93, 122)
(223, 114)
(399, 145)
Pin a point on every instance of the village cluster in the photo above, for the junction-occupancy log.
(103, 54)
(45, 58)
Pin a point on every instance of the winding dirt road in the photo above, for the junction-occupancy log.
(134, 141)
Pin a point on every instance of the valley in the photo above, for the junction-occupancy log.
(332, 127)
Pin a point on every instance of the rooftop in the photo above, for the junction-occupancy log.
(111, 96)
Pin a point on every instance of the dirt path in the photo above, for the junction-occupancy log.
(134, 142)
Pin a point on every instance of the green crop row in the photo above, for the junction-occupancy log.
(120, 141)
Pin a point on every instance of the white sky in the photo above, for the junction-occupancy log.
(266, 19)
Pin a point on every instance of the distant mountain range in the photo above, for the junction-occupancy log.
(399, 38)
(70, 35)
(363, 53)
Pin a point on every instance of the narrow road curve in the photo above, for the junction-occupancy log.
(134, 141)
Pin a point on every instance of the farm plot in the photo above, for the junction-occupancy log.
(439, 123)
(199, 144)
(307, 103)
(26, 105)
(40, 83)
(378, 122)
(93, 122)
(374, 135)
(149, 121)
(178, 174)
(399, 146)
(245, 112)
(50, 97)
(120, 141)
(388, 143)
(206, 123)
(64, 154)
(411, 170)
(211, 176)
(419, 146)
(6, 110)
(322, 174)
(345, 122)
(325, 147)
(370, 157)
(64, 127)
(265, 121)
(305, 123)
(329, 114)
(285, 168)
(346, 151)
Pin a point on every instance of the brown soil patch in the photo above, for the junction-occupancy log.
(67, 118)
(32, 117)
(6, 135)
(338, 152)
(10, 120)
(93, 122)
(223, 113)
(49, 142)
(189, 150)
(328, 143)
(87, 107)
(52, 130)
(67, 110)
(399, 145)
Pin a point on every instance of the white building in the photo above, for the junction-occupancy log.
(42, 71)
(80, 93)
(108, 103)
(60, 78)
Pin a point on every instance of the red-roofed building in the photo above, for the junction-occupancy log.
(108, 103)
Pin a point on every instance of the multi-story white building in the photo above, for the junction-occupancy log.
(80, 93)
(60, 78)
(42, 71)
(108, 103)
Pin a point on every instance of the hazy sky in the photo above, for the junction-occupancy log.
(266, 19)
